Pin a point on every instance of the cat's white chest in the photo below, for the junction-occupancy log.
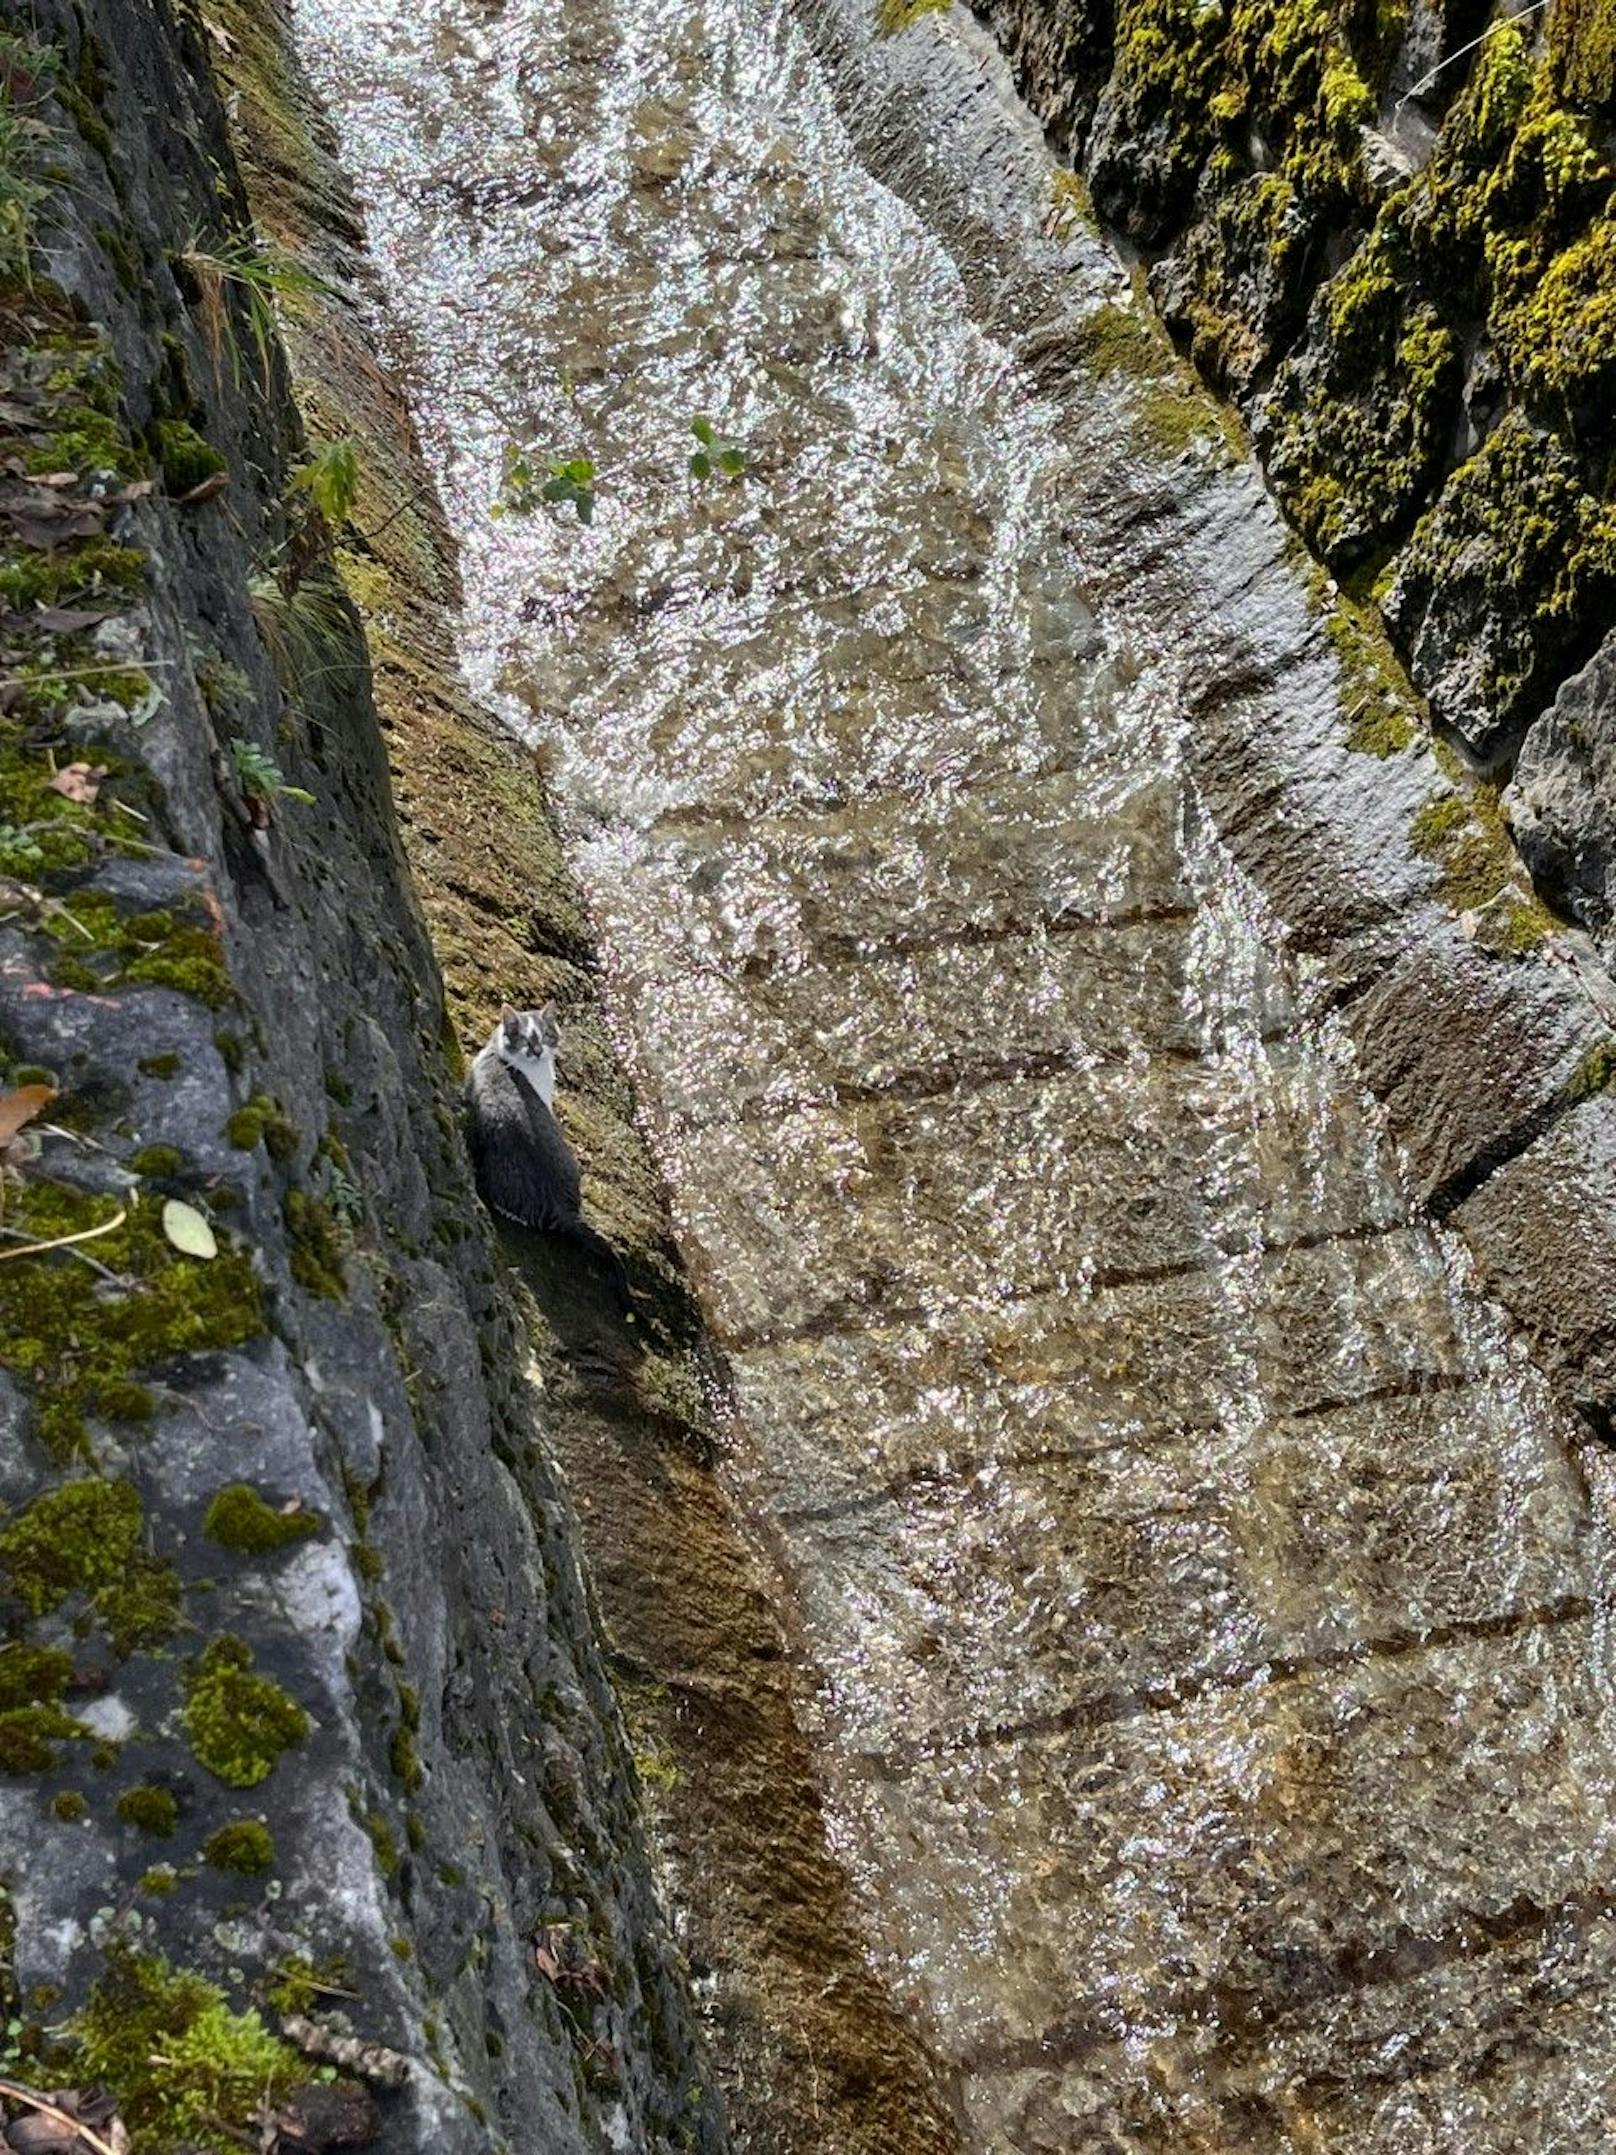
(539, 1070)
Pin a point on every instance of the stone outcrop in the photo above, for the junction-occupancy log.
(305, 1731)
(1395, 253)
(1562, 802)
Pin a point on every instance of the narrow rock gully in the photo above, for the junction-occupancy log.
(1198, 1591)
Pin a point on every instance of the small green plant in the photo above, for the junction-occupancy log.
(331, 479)
(345, 1198)
(259, 275)
(20, 852)
(522, 485)
(306, 626)
(259, 777)
(713, 455)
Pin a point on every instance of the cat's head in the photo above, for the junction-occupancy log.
(529, 1035)
(527, 1042)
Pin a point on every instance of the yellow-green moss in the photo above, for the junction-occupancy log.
(1516, 525)
(1595, 1072)
(315, 1245)
(32, 1675)
(185, 457)
(891, 16)
(181, 2066)
(69, 1806)
(263, 1121)
(151, 1808)
(86, 1537)
(239, 1518)
(159, 1066)
(156, 949)
(160, 1163)
(29, 1735)
(81, 1352)
(1582, 47)
(246, 1845)
(238, 1723)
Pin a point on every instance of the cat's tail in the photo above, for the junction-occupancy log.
(592, 1240)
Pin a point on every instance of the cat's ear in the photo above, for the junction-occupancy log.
(510, 1023)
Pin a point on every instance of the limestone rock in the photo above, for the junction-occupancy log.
(1562, 803)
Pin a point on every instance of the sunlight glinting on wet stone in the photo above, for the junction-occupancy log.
(1194, 1586)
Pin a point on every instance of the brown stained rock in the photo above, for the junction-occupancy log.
(338, 2114)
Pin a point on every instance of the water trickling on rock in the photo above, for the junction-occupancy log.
(1209, 1669)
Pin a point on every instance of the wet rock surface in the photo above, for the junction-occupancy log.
(1010, 862)
(1562, 800)
(307, 1726)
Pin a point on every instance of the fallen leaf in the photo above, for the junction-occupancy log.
(79, 781)
(204, 490)
(188, 1230)
(41, 519)
(54, 478)
(21, 1106)
(61, 620)
(136, 490)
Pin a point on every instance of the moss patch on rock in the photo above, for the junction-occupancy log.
(239, 1518)
(238, 1722)
(183, 2068)
(245, 1846)
(80, 1352)
(85, 1540)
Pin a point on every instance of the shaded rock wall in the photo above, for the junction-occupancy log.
(1403, 283)
(301, 1695)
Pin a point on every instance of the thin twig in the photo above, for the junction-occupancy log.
(47, 2109)
(19, 1234)
(62, 1242)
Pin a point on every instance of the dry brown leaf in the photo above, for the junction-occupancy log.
(204, 490)
(21, 1106)
(79, 781)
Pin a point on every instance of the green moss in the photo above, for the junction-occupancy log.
(1165, 82)
(231, 1051)
(29, 1735)
(87, 1538)
(159, 1881)
(161, 1163)
(1436, 824)
(891, 16)
(402, 1949)
(143, 949)
(32, 1675)
(263, 1122)
(245, 1845)
(1121, 340)
(151, 1808)
(1582, 49)
(92, 569)
(404, 1759)
(1513, 559)
(315, 1246)
(239, 1518)
(185, 457)
(414, 1832)
(381, 1840)
(181, 2066)
(238, 1722)
(79, 1352)
(1595, 1073)
(159, 1066)
(69, 1806)
(339, 1088)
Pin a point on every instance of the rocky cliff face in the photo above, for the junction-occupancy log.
(1387, 233)
(304, 1728)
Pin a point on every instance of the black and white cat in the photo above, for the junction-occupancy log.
(525, 1168)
